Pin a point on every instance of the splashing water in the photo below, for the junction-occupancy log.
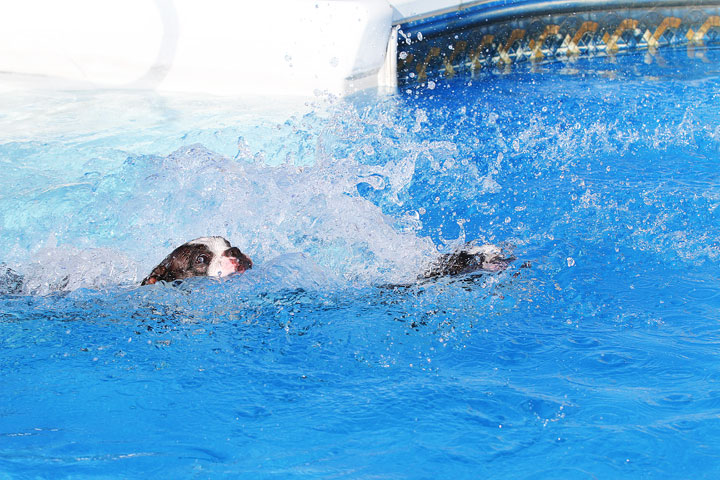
(326, 359)
(117, 218)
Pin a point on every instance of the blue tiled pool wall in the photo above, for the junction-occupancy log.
(499, 37)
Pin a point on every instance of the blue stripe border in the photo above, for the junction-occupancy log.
(483, 13)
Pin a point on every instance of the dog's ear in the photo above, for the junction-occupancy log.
(155, 275)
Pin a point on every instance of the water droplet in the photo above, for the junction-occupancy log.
(570, 262)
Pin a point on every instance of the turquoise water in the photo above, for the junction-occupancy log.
(600, 360)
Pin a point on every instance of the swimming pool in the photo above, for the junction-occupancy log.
(598, 361)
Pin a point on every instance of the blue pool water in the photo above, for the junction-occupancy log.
(601, 360)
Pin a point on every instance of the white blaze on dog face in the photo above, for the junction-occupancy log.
(220, 265)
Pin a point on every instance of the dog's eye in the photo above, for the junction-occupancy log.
(200, 259)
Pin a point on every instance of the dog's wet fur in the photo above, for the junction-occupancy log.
(467, 259)
(202, 257)
(11, 282)
(215, 257)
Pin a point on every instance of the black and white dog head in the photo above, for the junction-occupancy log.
(202, 257)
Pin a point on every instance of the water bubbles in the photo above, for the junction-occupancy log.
(368, 149)
(570, 262)
(63, 268)
(420, 118)
(489, 185)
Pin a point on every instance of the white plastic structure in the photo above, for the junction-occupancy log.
(408, 10)
(223, 47)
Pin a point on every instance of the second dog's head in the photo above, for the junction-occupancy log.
(202, 257)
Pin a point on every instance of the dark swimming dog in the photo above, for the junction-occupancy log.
(202, 257)
(215, 257)
(468, 259)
